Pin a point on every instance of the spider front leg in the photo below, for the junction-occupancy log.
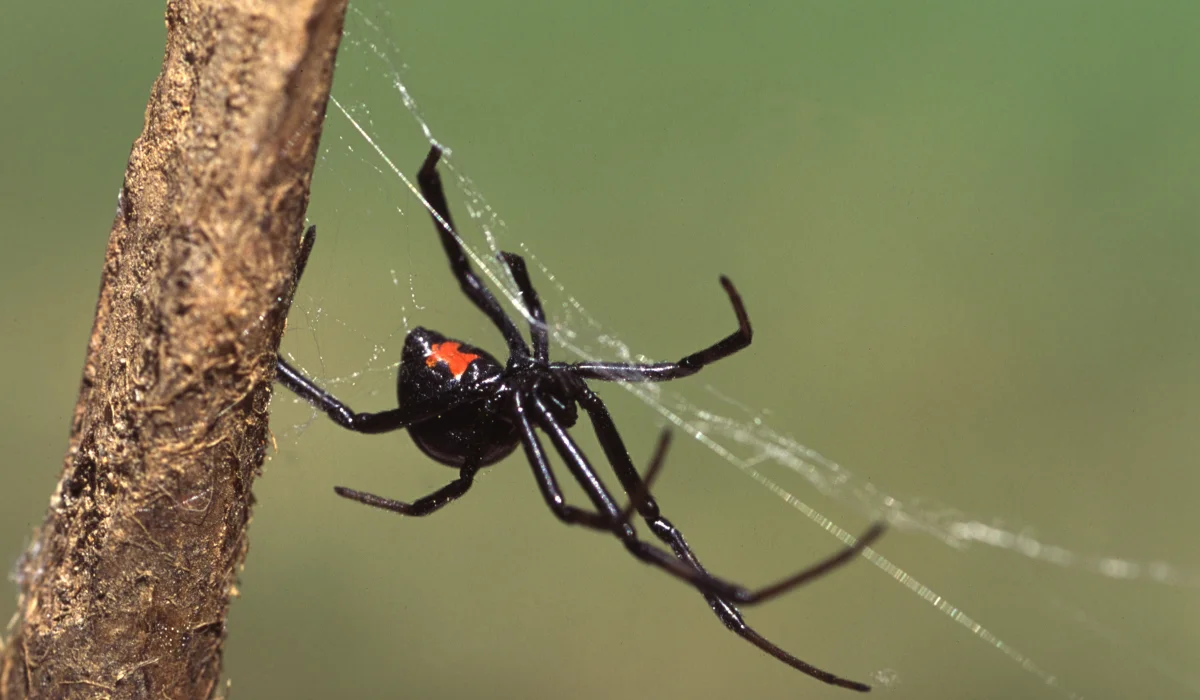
(533, 305)
(430, 183)
(685, 367)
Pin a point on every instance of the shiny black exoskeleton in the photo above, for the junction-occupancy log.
(464, 409)
(435, 368)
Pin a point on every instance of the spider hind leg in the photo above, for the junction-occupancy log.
(721, 595)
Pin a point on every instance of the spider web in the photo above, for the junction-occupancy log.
(746, 437)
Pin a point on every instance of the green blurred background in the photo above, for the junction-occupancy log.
(966, 233)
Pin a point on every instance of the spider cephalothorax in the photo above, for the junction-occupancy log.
(465, 409)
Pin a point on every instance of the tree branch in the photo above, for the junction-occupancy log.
(125, 588)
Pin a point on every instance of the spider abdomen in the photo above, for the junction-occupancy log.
(433, 369)
(463, 433)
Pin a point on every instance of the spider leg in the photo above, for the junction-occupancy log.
(308, 390)
(614, 449)
(529, 297)
(422, 506)
(343, 415)
(282, 369)
(687, 366)
(638, 489)
(612, 517)
(307, 240)
(733, 621)
(548, 485)
(656, 462)
(430, 183)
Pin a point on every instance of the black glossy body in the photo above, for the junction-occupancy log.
(480, 428)
(466, 410)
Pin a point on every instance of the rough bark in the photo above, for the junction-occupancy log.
(125, 588)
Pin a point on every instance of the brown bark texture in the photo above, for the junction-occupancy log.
(126, 585)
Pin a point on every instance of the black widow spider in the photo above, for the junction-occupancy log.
(466, 410)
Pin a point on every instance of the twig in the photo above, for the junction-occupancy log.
(173, 403)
